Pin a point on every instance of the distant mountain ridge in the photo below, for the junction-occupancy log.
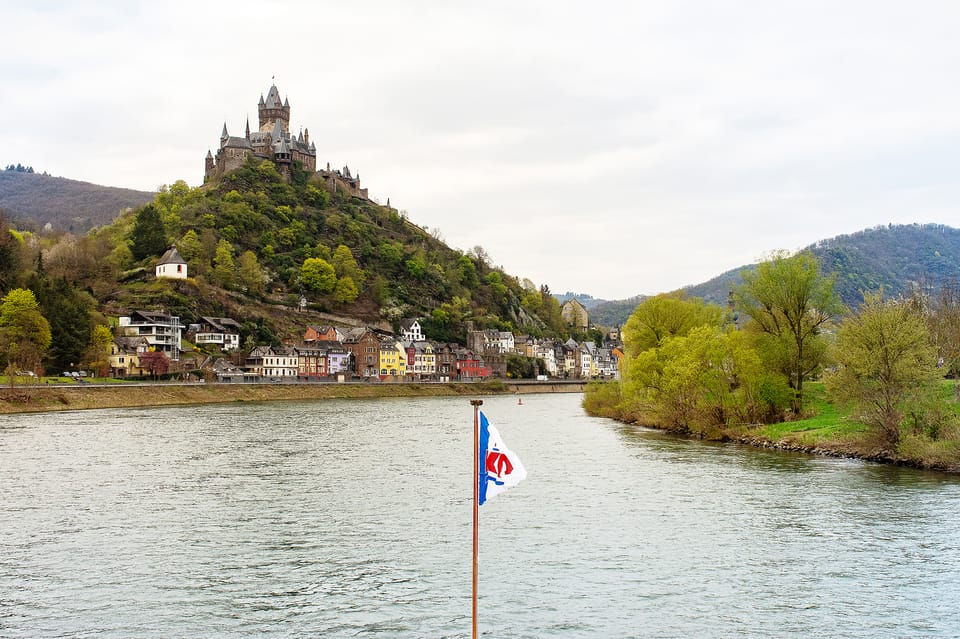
(33, 199)
(894, 257)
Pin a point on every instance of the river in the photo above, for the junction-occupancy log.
(352, 518)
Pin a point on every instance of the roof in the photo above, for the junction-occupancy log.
(222, 323)
(172, 256)
(273, 98)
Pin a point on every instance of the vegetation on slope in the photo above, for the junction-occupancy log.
(894, 257)
(36, 199)
(258, 247)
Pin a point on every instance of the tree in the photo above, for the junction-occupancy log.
(97, 356)
(666, 315)
(190, 247)
(68, 310)
(224, 269)
(788, 301)
(155, 362)
(149, 237)
(9, 254)
(345, 265)
(250, 273)
(346, 291)
(886, 364)
(317, 275)
(24, 331)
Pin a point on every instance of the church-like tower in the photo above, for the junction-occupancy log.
(272, 110)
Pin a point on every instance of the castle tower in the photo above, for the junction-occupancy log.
(272, 110)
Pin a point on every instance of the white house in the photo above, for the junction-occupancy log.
(265, 361)
(172, 265)
(410, 330)
(163, 332)
(222, 332)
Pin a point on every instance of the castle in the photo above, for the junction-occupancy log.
(274, 142)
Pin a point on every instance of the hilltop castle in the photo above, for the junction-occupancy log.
(274, 142)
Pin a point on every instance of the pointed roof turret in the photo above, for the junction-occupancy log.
(261, 100)
(209, 155)
(286, 103)
(313, 150)
(277, 131)
(248, 127)
(273, 97)
(224, 135)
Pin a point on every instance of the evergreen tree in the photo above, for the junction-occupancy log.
(148, 236)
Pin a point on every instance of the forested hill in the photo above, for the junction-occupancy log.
(34, 200)
(893, 257)
(279, 254)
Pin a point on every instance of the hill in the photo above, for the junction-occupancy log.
(894, 257)
(277, 255)
(34, 200)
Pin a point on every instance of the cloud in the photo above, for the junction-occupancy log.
(614, 149)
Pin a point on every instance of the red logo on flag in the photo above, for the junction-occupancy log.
(498, 464)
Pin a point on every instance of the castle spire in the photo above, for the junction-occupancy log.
(224, 135)
(248, 127)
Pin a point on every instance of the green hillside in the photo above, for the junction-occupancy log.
(276, 255)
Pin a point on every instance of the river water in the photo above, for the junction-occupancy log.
(352, 518)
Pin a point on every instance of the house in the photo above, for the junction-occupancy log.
(171, 265)
(163, 332)
(272, 363)
(410, 330)
(311, 361)
(227, 371)
(547, 354)
(490, 341)
(426, 360)
(470, 367)
(445, 357)
(338, 357)
(525, 345)
(566, 356)
(575, 314)
(364, 347)
(125, 356)
(393, 359)
(322, 334)
(221, 332)
(585, 368)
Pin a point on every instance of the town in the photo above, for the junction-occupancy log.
(150, 344)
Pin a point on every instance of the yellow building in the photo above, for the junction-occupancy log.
(393, 359)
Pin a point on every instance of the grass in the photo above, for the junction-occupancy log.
(824, 424)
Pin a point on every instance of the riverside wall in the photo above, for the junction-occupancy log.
(41, 398)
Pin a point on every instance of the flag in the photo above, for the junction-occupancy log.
(500, 468)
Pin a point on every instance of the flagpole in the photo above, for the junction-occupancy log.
(476, 403)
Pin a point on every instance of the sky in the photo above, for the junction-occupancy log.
(605, 148)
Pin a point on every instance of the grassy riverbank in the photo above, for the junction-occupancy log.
(827, 430)
(41, 397)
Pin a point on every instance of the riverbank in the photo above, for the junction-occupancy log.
(826, 431)
(39, 398)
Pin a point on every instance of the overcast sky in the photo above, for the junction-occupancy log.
(605, 148)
